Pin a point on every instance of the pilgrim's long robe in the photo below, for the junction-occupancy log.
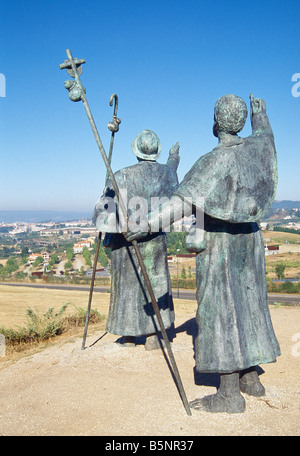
(238, 182)
(131, 312)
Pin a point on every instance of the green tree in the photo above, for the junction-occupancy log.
(24, 260)
(279, 269)
(183, 273)
(25, 252)
(70, 253)
(176, 241)
(6, 251)
(87, 256)
(39, 260)
(11, 265)
(53, 260)
(3, 272)
(68, 265)
(102, 258)
(54, 257)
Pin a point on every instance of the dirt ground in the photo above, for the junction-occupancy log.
(110, 390)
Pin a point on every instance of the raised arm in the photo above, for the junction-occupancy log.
(259, 119)
(174, 158)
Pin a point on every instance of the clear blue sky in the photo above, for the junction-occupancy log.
(168, 61)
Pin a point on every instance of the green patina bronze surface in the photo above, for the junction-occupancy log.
(131, 312)
(238, 182)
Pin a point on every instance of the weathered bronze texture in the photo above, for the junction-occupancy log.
(130, 312)
(237, 181)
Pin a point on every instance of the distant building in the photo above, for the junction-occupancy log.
(37, 274)
(181, 257)
(45, 256)
(293, 225)
(50, 232)
(71, 232)
(33, 256)
(271, 249)
(78, 246)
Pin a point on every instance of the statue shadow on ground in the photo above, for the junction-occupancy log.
(202, 379)
(190, 327)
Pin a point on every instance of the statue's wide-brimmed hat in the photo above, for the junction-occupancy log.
(147, 145)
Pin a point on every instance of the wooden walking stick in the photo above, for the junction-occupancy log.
(79, 94)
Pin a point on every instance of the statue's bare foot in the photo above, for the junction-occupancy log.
(250, 384)
(216, 403)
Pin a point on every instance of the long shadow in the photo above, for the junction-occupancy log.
(201, 379)
(99, 338)
(190, 327)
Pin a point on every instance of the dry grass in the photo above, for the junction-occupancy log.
(14, 301)
(182, 263)
(289, 254)
(290, 259)
(278, 237)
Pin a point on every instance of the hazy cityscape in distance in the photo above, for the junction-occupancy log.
(43, 216)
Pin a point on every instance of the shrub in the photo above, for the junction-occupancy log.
(279, 269)
(78, 319)
(283, 287)
(48, 325)
(183, 283)
(39, 327)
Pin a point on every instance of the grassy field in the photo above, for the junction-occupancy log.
(289, 248)
(14, 301)
(289, 255)
(277, 237)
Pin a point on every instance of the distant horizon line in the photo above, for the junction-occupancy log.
(45, 210)
(89, 211)
(43, 215)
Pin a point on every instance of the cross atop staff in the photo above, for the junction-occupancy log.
(68, 66)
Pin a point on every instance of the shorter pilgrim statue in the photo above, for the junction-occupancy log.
(131, 313)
